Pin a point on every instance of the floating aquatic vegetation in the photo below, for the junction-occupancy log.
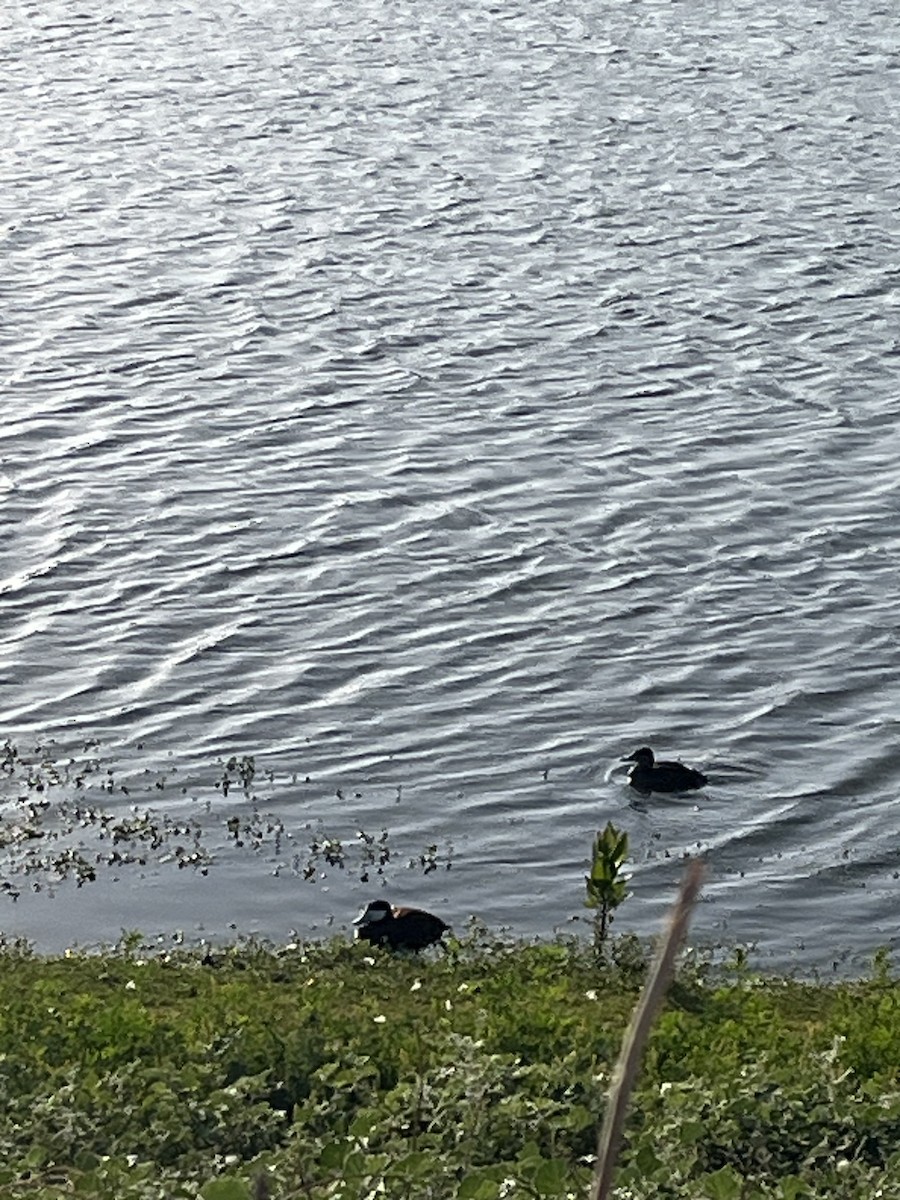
(376, 854)
(241, 770)
(58, 823)
(430, 859)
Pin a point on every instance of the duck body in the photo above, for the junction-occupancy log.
(647, 775)
(383, 924)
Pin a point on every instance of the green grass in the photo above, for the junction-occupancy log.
(330, 1071)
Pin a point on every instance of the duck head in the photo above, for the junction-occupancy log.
(643, 757)
(375, 911)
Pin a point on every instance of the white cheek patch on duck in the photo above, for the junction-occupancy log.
(369, 917)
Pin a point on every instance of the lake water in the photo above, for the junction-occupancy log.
(435, 402)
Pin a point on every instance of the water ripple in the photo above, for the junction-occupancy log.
(438, 403)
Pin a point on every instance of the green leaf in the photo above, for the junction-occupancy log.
(646, 1160)
(690, 1132)
(35, 1158)
(417, 1164)
(479, 1186)
(530, 1153)
(85, 1160)
(792, 1187)
(550, 1177)
(363, 1125)
(87, 1184)
(226, 1188)
(334, 1155)
(725, 1184)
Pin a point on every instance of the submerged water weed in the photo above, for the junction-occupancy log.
(337, 1070)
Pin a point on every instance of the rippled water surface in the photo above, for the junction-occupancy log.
(436, 402)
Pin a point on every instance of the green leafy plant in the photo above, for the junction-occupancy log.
(607, 884)
(327, 1072)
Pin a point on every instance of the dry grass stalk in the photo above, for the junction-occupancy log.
(638, 1031)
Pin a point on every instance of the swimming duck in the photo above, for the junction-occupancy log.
(648, 776)
(399, 928)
